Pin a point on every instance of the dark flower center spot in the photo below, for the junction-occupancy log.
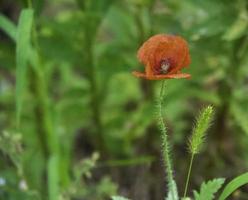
(165, 65)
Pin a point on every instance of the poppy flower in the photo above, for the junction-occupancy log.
(164, 56)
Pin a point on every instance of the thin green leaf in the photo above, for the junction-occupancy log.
(234, 185)
(238, 29)
(208, 189)
(8, 27)
(53, 177)
(23, 43)
(240, 116)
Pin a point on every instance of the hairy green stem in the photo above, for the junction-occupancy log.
(165, 145)
(188, 176)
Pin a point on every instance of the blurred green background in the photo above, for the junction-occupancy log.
(87, 128)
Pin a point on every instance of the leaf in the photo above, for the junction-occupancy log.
(95, 6)
(11, 145)
(53, 177)
(8, 27)
(234, 185)
(38, 6)
(238, 28)
(208, 189)
(240, 116)
(23, 43)
(118, 198)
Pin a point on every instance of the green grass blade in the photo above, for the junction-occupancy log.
(234, 185)
(23, 43)
(53, 177)
(8, 27)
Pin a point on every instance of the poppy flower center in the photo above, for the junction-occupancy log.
(165, 66)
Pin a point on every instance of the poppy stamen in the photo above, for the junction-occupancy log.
(165, 66)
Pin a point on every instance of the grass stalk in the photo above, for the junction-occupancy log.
(188, 176)
(47, 136)
(95, 103)
(203, 122)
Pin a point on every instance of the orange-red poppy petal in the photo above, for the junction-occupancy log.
(161, 76)
(163, 57)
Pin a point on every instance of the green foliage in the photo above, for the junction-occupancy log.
(239, 26)
(234, 185)
(85, 167)
(119, 198)
(11, 145)
(78, 96)
(13, 183)
(199, 132)
(240, 117)
(208, 189)
(23, 43)
(82, 174)
(8, 27)
(53, 177)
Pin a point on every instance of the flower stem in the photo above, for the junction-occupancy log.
(188, 176)
(166, 146)
(165, 143)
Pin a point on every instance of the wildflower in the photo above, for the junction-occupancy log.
(163, 56)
